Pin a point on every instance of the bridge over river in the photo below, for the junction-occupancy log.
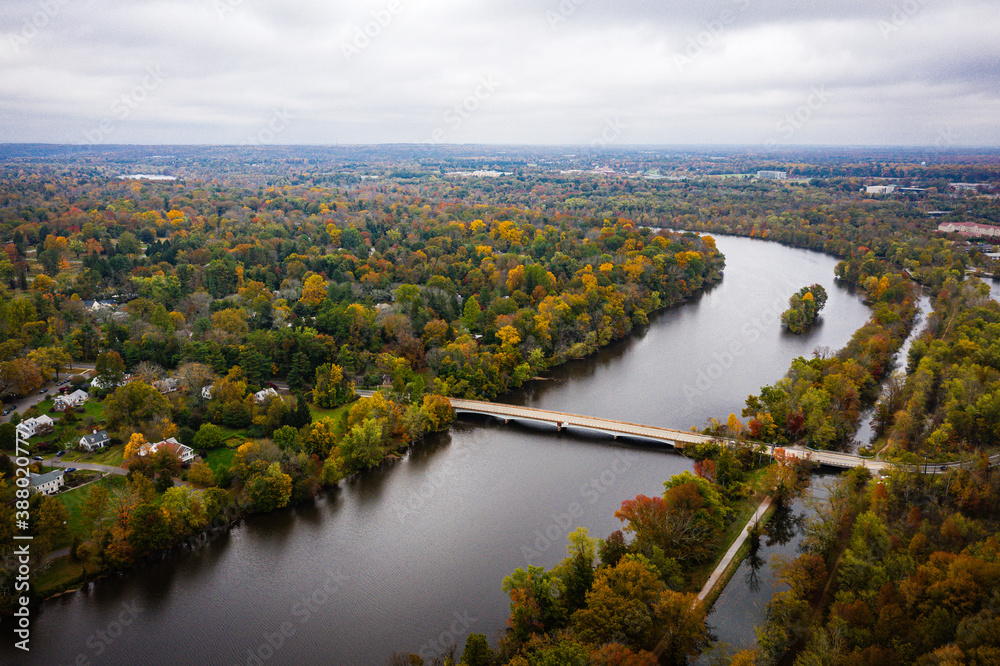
(676, 438)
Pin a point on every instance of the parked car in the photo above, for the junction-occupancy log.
(60, 454)
(70, 469)
(38, 458)
(8, 410)
(43, 392)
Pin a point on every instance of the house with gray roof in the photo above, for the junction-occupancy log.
(74, 399)
(39, 425)
(96, 440)
(49, 483)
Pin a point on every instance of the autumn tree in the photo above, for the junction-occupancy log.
(331, 388)
(534, 602)
(194, 377)
(20, 376)
(361, 447)
(629, 603)
(132, 407)
(110, 370)
(314, 291)
(201, 474)
(50, 360)
(803, 308)
(49, 517)
(135, 443)
(270, 490)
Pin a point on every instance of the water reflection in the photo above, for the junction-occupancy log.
(433, 533)
(754, 562)
(785, 525)
(742, 605)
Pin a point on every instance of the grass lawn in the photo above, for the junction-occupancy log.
(742, 512)
(235, 436)
(68, 434)
(60, 575)
(109, 455)
(335, 413)
(218, 458)
(74, 499)
(94, 408)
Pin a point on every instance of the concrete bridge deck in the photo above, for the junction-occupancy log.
(678, 438)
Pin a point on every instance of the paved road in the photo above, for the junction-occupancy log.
(94, 467)
(24, 404)
(561, 420)
(837, 459)
(680, 438)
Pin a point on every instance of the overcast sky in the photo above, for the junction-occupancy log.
(903, 72)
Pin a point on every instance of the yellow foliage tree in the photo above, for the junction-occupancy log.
(135, 444)
(734, 425)
(509, 335)
(314, 291)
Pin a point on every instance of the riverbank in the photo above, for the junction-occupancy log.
(65, 574)
(733, 557)
(381, 529)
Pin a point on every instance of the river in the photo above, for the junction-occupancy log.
(412, 555)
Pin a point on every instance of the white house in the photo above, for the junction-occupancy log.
(36, 426)
(206, 391)
(262, 396)
(74, 399)
(96, 440)
(98, 384)
(880, 189)
(186, 453)
(47, 484)
(168, 385)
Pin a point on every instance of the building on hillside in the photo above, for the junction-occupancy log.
(880, 189)
(49, 483)
(168, 385)
(70, 400)
(772, 175)
(260, 397)
(970, 229)
(41, 425)
(96, 440)
(185, 453)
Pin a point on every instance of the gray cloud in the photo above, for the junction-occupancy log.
(397, 70)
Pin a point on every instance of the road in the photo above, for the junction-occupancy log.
(562, 420)
(93, 467)
(680, 438)
(22, 405)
